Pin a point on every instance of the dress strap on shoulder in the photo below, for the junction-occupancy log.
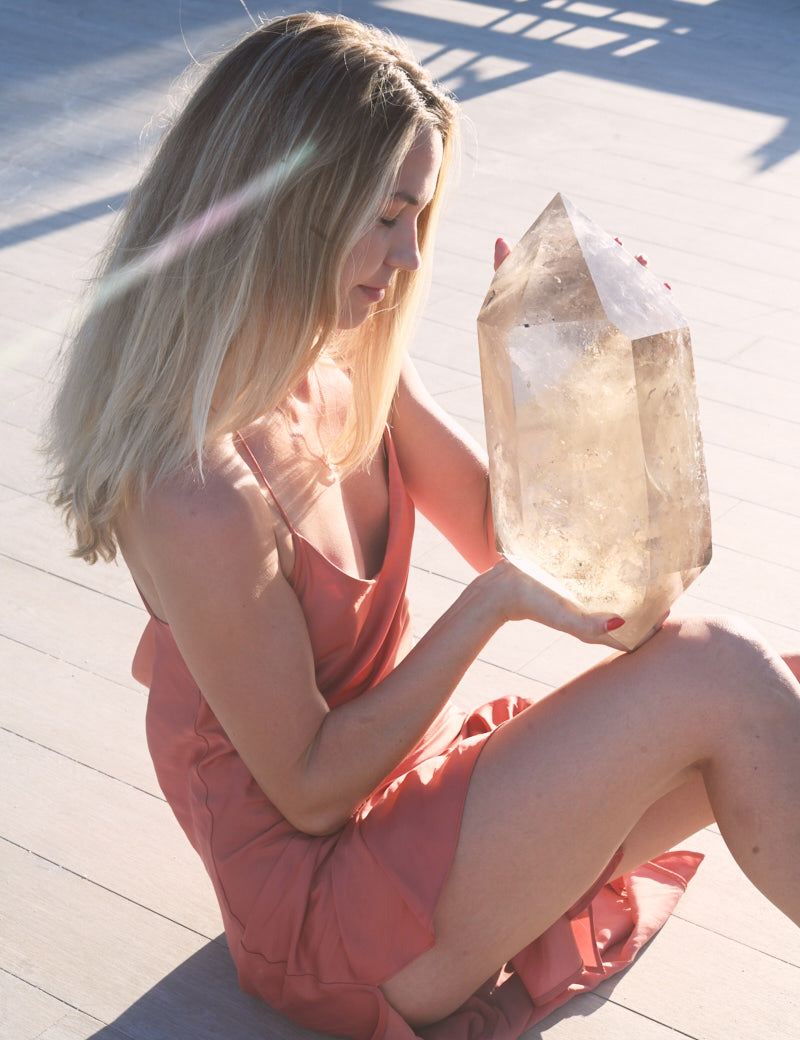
(259, 473)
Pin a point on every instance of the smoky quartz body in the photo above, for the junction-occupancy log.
(595, 452)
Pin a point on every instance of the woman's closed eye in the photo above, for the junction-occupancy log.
(391, 215)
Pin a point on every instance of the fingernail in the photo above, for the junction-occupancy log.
(498, 243)
(615, 622)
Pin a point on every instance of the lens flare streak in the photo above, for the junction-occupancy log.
(213, 220)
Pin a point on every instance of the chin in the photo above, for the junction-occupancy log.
(351, 319)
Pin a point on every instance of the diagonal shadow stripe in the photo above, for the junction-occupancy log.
(60, 219)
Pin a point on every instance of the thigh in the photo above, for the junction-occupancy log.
(553, 795)
(668, 822)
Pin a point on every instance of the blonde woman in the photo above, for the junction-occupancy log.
(239, 419)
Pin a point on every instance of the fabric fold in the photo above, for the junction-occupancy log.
(589, 944)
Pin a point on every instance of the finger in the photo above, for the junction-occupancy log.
(644, 261)
(603, 629)
(501, 252)
(600, 628)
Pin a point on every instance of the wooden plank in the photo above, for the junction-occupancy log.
(750, 431)
(123, 839)
(76, 713)
(589, 1017)
(742, 529)
(37, 536)
(763, 482)
(26, 1011)
(710, 987)
(26, 347)
(21, 397)
(484, 681)
(120, 963)
(76, 1026)
(763, 589)
(70, 622)
(18, 467)
(722, 900)
(84, 945)
(772, 395)
(514, 645)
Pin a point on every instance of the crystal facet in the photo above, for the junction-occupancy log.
(595, 454)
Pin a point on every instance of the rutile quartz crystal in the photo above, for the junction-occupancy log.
(596, 460)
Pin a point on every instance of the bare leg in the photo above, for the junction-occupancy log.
(639, 749)
(678, 815)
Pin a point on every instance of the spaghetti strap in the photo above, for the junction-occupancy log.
(260, 474)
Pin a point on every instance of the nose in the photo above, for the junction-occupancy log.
(404, 249)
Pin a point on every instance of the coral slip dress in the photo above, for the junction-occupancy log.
(316, 924)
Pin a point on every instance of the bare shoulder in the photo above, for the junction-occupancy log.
(224, 499)
(193, 532)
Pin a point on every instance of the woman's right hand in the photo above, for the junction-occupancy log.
(522, 597)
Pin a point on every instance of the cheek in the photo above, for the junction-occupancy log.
(364, 259)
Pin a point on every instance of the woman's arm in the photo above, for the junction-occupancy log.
(444, 470)
(212, 557)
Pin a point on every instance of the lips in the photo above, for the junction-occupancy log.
(373, 293)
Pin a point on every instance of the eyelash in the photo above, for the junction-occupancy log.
(387, 222)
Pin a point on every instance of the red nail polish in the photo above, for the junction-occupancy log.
(616, 622)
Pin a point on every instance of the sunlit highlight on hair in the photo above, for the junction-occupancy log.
(213, 220)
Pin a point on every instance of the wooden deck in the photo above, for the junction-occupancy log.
(674, 123)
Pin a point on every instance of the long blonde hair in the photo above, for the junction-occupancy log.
(221, 282)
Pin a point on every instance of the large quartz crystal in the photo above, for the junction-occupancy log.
(596, 460)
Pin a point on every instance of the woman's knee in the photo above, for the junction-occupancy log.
(729, 659)
(723, 641)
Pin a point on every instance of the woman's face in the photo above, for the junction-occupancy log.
(391, 245)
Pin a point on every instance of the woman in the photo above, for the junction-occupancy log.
(239, 419)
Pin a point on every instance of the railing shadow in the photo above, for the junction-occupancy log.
(60, 219)
(720, 51)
